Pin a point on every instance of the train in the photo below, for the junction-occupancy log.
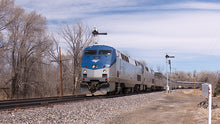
(107, 70)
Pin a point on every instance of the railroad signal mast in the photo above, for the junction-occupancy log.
(95, 32)
(168, 62)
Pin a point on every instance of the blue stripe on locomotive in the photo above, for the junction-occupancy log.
(101, 61)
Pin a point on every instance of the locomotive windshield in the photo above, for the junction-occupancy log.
(90, 52)
(99, 55)
(105, 52)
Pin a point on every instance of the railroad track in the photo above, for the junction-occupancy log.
(9, 104)
(19, 103)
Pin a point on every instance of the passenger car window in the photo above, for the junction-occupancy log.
(124, 57)
(90, 52)
(105, 52)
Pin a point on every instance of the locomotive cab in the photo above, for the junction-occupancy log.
(96, 63)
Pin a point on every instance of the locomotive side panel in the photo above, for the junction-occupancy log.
(126, 71)
(112, 77)
(148, 78)
(160, 80)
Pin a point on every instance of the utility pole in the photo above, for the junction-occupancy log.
(167, 62)
(61, 75)
(61, 78)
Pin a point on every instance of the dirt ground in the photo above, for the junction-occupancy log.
(177, 107)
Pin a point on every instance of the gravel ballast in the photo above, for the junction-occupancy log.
(85, 112)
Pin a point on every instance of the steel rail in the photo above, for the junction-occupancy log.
(9, 104)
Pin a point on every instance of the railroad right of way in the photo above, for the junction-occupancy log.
(91, 112)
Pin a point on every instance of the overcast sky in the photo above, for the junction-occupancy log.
(146, 29)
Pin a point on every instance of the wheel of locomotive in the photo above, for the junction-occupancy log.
(145, 88)
(123, 89)
(117, 88)
(131, 90)
(152, 89)
(137, 88)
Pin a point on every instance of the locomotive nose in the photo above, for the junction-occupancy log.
(96, 64)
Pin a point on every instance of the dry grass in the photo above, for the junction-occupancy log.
(200, 114)
(3, 96)
(195, 92)
(203, 115)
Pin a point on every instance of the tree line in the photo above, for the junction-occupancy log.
(212, 77)
(27, 51)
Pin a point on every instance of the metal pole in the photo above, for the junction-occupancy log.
(167, 87)
(61, 79)
(167, 56)
(169, 61)
(194, 75)
(210, 104)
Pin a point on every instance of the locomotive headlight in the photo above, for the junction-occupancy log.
(104, 71)
(84, 71)
(93, 66)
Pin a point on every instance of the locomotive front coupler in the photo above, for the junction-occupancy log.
(95, 86)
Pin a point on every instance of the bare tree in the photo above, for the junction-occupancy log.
(77, 37)
(159, 69)
(207, 76)
(6, 8)
(27, 44)
(181, 76)
(217, 88)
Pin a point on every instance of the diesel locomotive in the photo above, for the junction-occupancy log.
(107, 70)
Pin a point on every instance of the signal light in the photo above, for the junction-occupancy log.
(95, 32)
(95, 66)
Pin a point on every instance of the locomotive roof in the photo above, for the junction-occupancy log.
(99, 47)
(132, 61)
